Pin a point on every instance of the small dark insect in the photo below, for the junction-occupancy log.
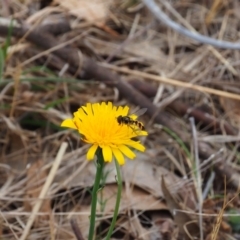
(127, 120)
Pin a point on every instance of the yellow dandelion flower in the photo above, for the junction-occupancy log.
(97, 123)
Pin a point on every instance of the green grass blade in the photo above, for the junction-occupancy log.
(2, 60)
(8, 39)
(55, 103)
(179, 141)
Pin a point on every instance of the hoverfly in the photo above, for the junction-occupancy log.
(127, 120)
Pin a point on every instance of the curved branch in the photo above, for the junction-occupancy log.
(161, 16)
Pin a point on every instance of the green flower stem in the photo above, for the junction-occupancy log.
(100, 165)
(119, 192)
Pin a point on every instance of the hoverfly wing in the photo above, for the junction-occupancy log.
(139, 112)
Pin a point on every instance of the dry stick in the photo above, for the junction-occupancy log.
(76, 229)
(170, 81)
(161, 16)
(44, 190)
(8, 224)
(58, 46)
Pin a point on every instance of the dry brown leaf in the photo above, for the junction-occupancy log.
(225, 227)
(82, 219)
(232, 110)
(139, 172)
(135, 198)
(166, 227)
(135, 228)
(140, 50)
(15, 143)
(163, 226)
(95, 11)
(182, 219)
(145, 50)
(35, 181)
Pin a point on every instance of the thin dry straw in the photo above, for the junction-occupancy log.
(170, 81)
(197, 174)
(44, 190)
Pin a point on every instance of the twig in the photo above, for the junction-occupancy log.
(161, 16)
(44, 190)
(56, 28)
(173, 82)
(76, 229)
(8, 225)
(208, 185)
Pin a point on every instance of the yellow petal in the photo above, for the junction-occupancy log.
(103, 105)
(126, 151)
(91, 152)
(136, 145)
(120, 110)
(143, 133)
(107, 154)
(125, 111)
(89, 110)
(118, 155)
(80, 114)
(95, 108)
(109, 106)
(114, 109)
(84, 108)
(68, 123)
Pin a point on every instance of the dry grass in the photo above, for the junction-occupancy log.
(44, 183)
